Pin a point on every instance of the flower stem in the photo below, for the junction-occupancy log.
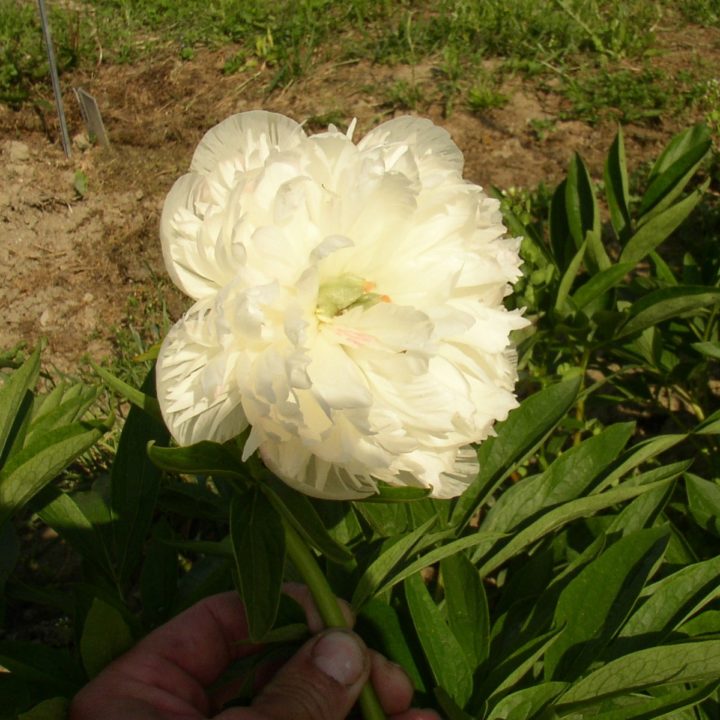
(327, 605)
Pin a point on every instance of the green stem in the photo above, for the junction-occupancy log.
(327, 605)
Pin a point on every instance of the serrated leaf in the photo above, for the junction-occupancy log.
(466, 607)
(517, 437)
(142, 400)
(617, 187)
(444, 655)
(658, 228)
(30, 469)
(105, 636)
(596, 603)
(600, 283)
(690, 662)
(557, 518)
(379, 569)
(666, 303)
(258, 539)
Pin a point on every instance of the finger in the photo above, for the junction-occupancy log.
(322, 681)
(392, 685)
(303, 597)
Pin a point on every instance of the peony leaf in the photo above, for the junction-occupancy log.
(617, 187)
(138, 398)
(390, 494)
(669, 603)
(516, 439)
(135, 485)
(710, 425)
(66, 517)
(32, 468)
(298, 510)
(599, 284)
(502, 677)
(568, 477)
(635, 456)
(379, 569)
(690, 662)
(526, 703)
(596, 603)
(105, 636)
(444, 655)
(203, 458)
(642, 707)
(380, 625)
(72, 406)
(466, 607)
(659, 227)
(51, 709)
(673, 169)
(704, 502)
(258, 540)
(480, 541)
(567, 280)
(15, 394)
(48, 669)
(159, 576)
(557, 518)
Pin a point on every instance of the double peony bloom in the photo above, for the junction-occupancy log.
(348, 305)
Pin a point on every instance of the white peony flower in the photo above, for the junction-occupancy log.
(348, 305)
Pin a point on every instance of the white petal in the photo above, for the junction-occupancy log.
(426, 139)
(249, 135)
(198, 399)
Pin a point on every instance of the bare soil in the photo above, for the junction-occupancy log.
(69, 264)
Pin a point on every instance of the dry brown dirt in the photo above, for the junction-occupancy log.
(70, 263)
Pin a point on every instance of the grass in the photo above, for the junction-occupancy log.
(291, 36)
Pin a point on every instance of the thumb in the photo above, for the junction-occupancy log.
(321, 681)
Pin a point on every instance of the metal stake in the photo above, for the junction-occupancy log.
(55, 78)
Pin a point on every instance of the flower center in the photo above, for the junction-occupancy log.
(342, 293)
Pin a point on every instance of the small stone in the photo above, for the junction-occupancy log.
(18, 151)
(88, 298)
(45, 317)
(82, 142)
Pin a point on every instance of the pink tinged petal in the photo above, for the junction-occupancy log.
(196, 394)
(384, 326)
(250, 135)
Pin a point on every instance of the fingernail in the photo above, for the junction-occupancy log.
(339, 655)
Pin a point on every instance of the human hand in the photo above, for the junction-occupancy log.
(166, 675)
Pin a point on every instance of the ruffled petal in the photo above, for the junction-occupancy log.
(249, 136)
(197, 395)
